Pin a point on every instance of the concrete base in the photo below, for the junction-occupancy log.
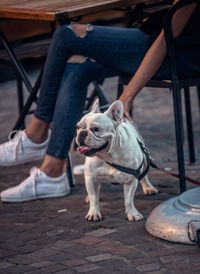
(177, 219)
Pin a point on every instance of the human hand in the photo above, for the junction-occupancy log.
(127, 103)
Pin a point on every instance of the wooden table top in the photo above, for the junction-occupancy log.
(52, 10)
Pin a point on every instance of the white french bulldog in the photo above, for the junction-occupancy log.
(110, 139)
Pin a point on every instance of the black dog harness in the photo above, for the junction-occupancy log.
(138, 173)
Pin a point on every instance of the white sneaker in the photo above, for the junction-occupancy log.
(37, 186)
(20, 149)
(79, 170)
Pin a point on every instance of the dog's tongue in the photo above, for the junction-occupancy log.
(83, 149)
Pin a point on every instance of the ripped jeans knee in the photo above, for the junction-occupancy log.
(80, 30)
(79, 59)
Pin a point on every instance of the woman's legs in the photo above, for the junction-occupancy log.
(102, 52)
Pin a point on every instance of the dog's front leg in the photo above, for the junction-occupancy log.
(93, 189)
(129, 192)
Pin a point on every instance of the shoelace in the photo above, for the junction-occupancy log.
(34, 173)
(15, 142)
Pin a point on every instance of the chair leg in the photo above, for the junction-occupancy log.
(190, 134)
(20, 97)
(179, 135)
(90, 100)
(96, 92)
(32, 98)
(69, 172)
(198, 94)
(120, 87)
(102, 98)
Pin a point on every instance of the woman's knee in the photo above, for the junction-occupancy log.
(84, 70)
(82, 67)
(79, 30)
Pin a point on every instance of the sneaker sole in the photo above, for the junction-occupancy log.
(34, 198)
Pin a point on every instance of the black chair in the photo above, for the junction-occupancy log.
(176, 84)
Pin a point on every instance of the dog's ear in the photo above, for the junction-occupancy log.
(116, 111)
(95, 106)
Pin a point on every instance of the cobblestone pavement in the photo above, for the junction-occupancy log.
(52, 236)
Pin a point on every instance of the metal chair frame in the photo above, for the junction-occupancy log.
(176, 84)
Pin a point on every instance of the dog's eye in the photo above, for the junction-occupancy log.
(95, 129)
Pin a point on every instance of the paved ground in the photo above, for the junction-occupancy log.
(51, 236)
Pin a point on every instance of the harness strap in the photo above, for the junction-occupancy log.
(93, 151)
(135, 172)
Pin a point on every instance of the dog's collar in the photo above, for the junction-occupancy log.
(136, 172)
(93, 151)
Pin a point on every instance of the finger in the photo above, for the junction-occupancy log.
(128, 117)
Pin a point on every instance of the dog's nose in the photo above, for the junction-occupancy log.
(83, 134)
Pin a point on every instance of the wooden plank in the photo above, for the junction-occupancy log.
(97, 7)
(52, 10)
(19, 29)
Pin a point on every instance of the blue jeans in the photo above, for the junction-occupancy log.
(108, 51)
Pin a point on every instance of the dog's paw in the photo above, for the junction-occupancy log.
(93, 216)
(151, 190)
(135, 217)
